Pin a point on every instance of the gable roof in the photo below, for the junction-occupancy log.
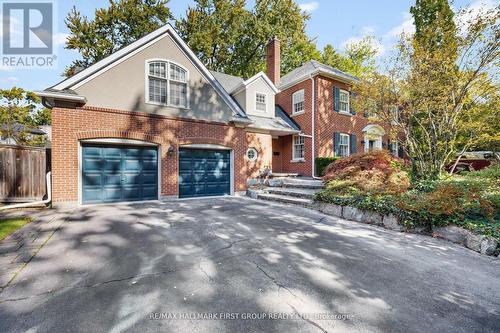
(133, 48)
(313, 67)
(234, 84)
(229, 82)
(249, 81)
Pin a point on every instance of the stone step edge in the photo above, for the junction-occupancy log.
(285, 199)
(289, 192)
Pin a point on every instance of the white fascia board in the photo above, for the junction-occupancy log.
(249, 81)
(61, 96)
(124, 52)
(130, 50)
(318, 72)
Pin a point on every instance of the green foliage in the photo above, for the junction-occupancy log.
(358, 59)
(19, 111)
(112, 28)
(322, 162)
(230, 38)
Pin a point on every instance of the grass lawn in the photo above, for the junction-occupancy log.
(8, 226)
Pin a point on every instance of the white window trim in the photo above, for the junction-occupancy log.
(348, 112)
(261, 93)
(348, 144)
(146, 83)
(300, 159)
(256, 154)
(303, 102)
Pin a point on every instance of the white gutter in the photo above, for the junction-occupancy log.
(63, 96)
(36, 203)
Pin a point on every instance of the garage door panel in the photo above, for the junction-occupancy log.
(112, 165)
(116, 173)
(93, 194)
(110, 152)
(204, 172)
(112, 179)
(93, 164)
(150, 165)
(149, 179)
(92, 152)
(112, 193)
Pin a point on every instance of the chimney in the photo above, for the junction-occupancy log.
(273, 60)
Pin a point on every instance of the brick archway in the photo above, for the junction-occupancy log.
(113, 134)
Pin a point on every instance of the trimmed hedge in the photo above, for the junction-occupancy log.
(322, 162)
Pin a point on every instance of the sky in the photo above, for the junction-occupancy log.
(336, 22)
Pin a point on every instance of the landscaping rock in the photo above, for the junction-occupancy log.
(488, 246)
(473, 242)
(331, 209)
(252, 193)
(252, 182)
(353, 214)
(451, 233)
(373, 217)
(274, 182)
(391, 222)
(419, 230)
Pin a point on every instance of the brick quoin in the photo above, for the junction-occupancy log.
(73, 124)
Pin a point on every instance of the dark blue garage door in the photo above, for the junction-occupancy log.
(204, 172)
(118, 173)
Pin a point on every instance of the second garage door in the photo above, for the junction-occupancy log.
(204, 172)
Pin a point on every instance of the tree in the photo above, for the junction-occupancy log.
(229, 38)
(124, 22)
(18, 111)
(358, 60)
(439, 78)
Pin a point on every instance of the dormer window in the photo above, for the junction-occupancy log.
(260, 102)
(167, 84)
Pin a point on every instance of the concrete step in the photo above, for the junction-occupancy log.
(303, 183)
(285, 199)
(304, 193)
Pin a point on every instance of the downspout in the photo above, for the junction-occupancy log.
(36, 203)
(313, 84)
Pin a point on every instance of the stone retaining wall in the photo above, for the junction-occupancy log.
(479, 243)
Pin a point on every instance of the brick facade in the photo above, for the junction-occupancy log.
(73, 124)
(327, 122)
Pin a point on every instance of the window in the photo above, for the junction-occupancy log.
(260, 102)
(344, 101)
(298, 102)
(298, 148)
(167, 84)
(344, 145)
(252, 154)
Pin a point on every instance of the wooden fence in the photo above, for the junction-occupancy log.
(22, 173)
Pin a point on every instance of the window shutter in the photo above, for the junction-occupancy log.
(352, 141)
(336, 99)
(336, 144)
(389, 147)
(352, 97)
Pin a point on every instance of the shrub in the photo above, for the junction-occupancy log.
(322, 162)
(372, 172)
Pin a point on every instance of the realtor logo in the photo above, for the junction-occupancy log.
(28, 34)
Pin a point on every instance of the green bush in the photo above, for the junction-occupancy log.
(322, 162)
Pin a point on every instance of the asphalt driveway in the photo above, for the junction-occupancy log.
(239, 265)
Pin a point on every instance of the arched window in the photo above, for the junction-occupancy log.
(167, 84)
